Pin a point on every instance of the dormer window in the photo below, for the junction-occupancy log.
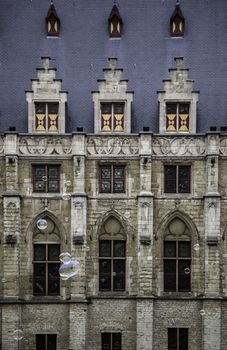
(177, 22)
(46, 101)
(112, 116)
(53, 22)
(115, 23)
(177, 117)
(46, 115)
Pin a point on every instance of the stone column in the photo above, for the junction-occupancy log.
(77, 326)
(79, 214)
(211, 323)
(145, 217)
(144, 321)
(212, 218)
(11, 323)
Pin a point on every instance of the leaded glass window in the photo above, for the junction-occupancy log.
(112, 117)
(46, 178)
(46, 266)
(177, 338)
(112, 261)
(46, 119)
(112, 179)
(111, 341)
(177, 178)
(177, 117)
(177, 266)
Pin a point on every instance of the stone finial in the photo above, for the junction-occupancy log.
(179, 62)
(112, 63)
(46, 62)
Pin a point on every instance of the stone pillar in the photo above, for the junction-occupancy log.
(77, 326)
(211, 323)
(11, 323)
(79, 214)
(212, 218)
(145, 217)
(144, 321)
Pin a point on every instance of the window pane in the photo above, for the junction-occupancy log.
(172, 339)
(171, 108)
(116, 341)
(53, 172)
(39, 186)
(184, 179)
(53, 252)
(184, 275)
(105, 275)
(183, 339)
(118, 186)
(105, 248)
(119, 248)
(52, 108)
(51, 341)
(105, 178)
(183, 108)
(119, 172)
(106, 341)
(118, 108)
(40, 108)
(39, 279)
(119, 275)
(169, 275)
(39, 252)
(184, 249)
(170, 178)
(53, 279)
(40, 342)
(39, 174)
(170, 249)
(106, 108)
(106, 172)
(53, 186)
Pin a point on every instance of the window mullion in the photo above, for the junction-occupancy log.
(177, 178)
(112, 117)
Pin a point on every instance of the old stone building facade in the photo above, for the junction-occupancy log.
(142, 207)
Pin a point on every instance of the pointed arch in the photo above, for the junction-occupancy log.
(116, 215)
(32, 227)
(177, 22)
(115, 23)
(52, 21)
(177, 214)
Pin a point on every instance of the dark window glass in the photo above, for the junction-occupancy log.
(52, 108)
(119, 108)
(183, 108)
(177, 179)
(177, 338)
(106, 108)
(177, 266)
(46, 341)
(111, 341)
(40, 108)
(184, 179)
(112, 269)
(171, 108)
(46, 273)
(46, 178)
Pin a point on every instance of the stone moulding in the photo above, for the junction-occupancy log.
(1, 144)
(179, 146)
(223, 146)
(45, 145)
(125, 146)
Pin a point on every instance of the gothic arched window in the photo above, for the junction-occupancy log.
(177, 22)
(115, 23)
(53, 22)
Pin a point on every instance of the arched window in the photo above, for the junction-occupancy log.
(46, 250)
(115, 23)
(177, 22)
(53, 22)
(177, 257)
(112, 256)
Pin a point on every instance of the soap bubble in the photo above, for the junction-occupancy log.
(196, 247)
(42, 224)
(187, 271)
(202, 312)
(44, 178)
(69, 269)
(68, 183)
(66, 196)
(18, 334)
(65, 257)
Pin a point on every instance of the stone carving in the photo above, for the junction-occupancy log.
(1, 144)
(112, 146)
(45, 145)
(223, 145)
(179, 146)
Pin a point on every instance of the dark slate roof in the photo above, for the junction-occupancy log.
(146, 51)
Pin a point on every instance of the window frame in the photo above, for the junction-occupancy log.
(178, 344)
(112, 104)
(112, 179)
(47, 263)
(178, 180)
(45, 341)
(110, 344)
(178, 260)
(112, 258)
(178, 103)
(46, 125)
(46, 168)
